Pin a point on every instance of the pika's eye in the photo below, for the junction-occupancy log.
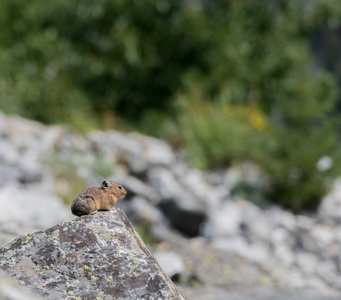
(119, 187)
(105, 184)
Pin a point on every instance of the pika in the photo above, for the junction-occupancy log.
(97, 198)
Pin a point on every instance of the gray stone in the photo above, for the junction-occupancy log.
(9, 154)
(156, 152)
(162, 232)
(285, 255)
(304, 222)
(30, 171)
(137, 187)
(18, 128)
(170, 262)
(26, 205)
(140, 151)
(194, 181)
(224, 222)
(261, 228)
(278, 217)
(10, 229)
(330, 207)
(281, 236)
(323, 235)
(187, 219)
(257, 293)
(255, 252)
(164, 183)
(98, 255)
(145, 211)
(307, 262)
(326, 270)
(185, 211)
(306, 242)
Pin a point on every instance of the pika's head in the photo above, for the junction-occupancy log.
(114, 188)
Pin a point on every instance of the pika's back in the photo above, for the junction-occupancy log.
(97, 198)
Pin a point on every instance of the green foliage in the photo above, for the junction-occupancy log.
(228, 80)
(268, 104)
(84, 58)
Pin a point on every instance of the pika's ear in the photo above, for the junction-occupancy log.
(105, 184)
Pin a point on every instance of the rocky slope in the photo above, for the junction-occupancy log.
(176, 204)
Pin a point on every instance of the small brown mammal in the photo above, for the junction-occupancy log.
(98, 198)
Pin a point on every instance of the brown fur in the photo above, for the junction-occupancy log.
(97, 198)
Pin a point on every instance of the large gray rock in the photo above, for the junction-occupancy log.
(98, 256)
(140, 151)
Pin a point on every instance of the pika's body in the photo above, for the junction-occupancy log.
(97, 198)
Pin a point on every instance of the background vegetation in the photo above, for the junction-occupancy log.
(227, 80)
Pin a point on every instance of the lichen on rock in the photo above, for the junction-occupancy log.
(98, 256)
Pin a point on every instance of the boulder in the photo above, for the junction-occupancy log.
(171, 262)
(140, 151)
(23, 209)
(98, 256)
(330, 207)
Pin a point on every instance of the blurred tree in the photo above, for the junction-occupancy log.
(95, 57)
(269, 102)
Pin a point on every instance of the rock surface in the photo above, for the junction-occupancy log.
(97, 256)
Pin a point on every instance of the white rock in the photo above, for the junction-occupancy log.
(323, 235)
(164, 183)
(280, 236)
(255, 252)
(306, 242)
(307, 262)
(261, 228)
(157, 152)
(17, 128)
(170, 262)
(8, 154)
(278, 217)
(31, 206)
(330, 207)
(285, 254)
(224, 222)
(304, 222)
(138, 187)
(141, 151)
(30, 170)
(145, 210)
(194, 182)
(327, 270)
